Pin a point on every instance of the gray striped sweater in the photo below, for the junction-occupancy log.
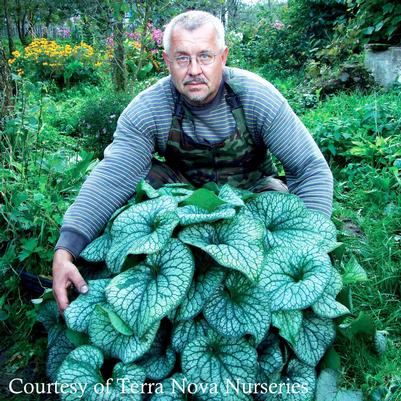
(143, 128)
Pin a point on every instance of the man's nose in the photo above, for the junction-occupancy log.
(194, 67)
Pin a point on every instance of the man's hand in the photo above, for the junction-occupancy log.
(65, 274)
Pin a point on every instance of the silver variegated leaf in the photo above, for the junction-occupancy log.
(289, 323)
(327, 388)
(97, 250)
(48, 314)
(146, 293)
(179, 193)
(269, 355)
(207, 277)
(326, 305)
(144, 228)
(298, 383)
(56, 354)
(186, 331)
(214, 359)
(314, 337)
(78, 313)
(81, 369)
(231, 195)
(236, 244)
(239, 307)
(295, 279)
(194, 214)
(127, 348)
(287, 220)
(160, 359)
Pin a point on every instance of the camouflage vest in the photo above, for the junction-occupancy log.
(237, 160)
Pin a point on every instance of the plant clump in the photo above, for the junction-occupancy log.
(183, 316)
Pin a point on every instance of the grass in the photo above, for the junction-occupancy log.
(367, 212)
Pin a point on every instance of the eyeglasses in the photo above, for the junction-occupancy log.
(204, 58)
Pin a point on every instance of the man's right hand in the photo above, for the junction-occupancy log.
(65, 274)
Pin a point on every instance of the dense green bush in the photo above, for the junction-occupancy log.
(92, 117)
(289, 35)
(38, 183)
(379, 21)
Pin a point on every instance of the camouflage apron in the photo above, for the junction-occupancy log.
(237, 160)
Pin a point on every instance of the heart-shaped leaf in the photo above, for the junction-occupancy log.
(127, 347)
(142, 229)
(326, 305)
(239, 307)
(207, 277)
(214, 359)
(295, 279)
(187, 330)
(78, 313)
(235, 243)
(81, 370)
(287, 221)
(314, 337)
(289, 323)
(143, 295)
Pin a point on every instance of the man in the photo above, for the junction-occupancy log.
(211, 123)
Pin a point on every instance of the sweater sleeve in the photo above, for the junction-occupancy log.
(307, 172)
(110, 184)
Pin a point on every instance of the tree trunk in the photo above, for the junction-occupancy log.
(11, 45)
(20, 21)
(6, 85)
(119, 66)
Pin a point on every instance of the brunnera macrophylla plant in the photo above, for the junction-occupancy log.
(207, 294)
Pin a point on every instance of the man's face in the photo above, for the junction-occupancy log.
(198, 83)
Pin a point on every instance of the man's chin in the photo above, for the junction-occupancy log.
(196, 98)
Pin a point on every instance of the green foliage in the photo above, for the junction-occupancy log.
(37, 185)
(378, 21)
(286, 37)
(210, 307)
(93, 118)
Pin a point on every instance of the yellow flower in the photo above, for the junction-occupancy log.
(98, 64)
(20, 72)
(16, 53)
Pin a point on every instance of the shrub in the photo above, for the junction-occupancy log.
(234, 286)
(287, 36)
(379, 22)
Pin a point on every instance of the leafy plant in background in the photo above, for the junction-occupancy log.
(37, 185)
(379, 22)
(204, 285)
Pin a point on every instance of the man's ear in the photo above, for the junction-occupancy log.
(224, 56)
(166, 60)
